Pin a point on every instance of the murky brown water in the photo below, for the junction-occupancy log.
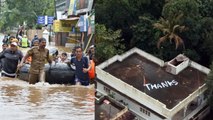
(21, 101)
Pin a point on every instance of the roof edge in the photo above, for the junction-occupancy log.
(130, 52)
(199, 67)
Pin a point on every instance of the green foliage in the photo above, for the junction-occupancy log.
(107, 43)
(206, 44)
(170, 29)
(144, 35)
(192, 54)
(209, 83)
(135, 18)
(122, 14)
(189, 8)
(206, 8)
(113, 13)
(20, 11)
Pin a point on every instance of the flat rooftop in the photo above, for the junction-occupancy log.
(107, 109)
(152, 79)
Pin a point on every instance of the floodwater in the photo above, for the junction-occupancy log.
(42, 101)
(21, 101)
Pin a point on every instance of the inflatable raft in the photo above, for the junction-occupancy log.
(59, 73)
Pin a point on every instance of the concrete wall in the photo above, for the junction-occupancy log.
(132, 106)
(31, 33)
(61, 38)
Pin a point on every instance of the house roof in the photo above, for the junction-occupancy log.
(135, 70)
(145, 79)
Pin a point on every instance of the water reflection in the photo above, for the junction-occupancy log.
(22, 101)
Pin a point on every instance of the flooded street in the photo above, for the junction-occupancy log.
(21, 101)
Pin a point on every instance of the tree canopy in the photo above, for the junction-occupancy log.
(137, 19)
(20, 11)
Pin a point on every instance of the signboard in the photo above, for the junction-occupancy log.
(83, 6)
(64, 25)
(91, 20)
(41, 20)
(83, 23)
(77, 7)
(50, 19)
(45, 20)
(72, 8)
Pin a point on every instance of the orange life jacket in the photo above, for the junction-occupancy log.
(91, 72)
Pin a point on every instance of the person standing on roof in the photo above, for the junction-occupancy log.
(39, 55)
(10, 59)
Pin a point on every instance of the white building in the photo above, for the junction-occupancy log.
(153, 89)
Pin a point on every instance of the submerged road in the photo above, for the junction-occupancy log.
(21, 101)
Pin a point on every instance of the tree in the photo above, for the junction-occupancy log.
(144, 35)
(107, 43)
(123, 14)
(20, 11)
(170, 30)
(189, 9)
(206, 8)
(205, 48)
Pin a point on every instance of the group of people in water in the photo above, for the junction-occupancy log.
(12, 59)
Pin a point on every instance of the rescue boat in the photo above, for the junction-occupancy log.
(59, 73)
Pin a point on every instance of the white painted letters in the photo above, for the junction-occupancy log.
(164, 84)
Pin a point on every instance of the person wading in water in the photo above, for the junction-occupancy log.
(82, 66)
(39, 55)
(10, 58)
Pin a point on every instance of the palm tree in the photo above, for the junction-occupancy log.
(170, 29)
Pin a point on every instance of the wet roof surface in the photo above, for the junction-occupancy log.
(167, 88)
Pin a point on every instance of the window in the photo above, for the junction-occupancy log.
(107, 90)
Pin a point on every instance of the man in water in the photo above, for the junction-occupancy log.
(29, 59)
(39, 55)
(4, 47)
(10, 58)
(34, 39)
(82, 66)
